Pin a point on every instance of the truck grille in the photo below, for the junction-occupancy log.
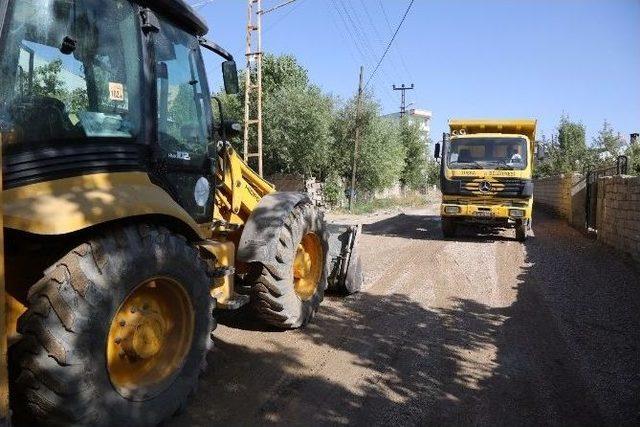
(499, 187)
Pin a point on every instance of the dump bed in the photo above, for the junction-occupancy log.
(525, 127)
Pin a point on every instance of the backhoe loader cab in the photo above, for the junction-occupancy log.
(129, 220)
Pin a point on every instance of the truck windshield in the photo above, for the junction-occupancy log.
(71, 71)
(487, 153)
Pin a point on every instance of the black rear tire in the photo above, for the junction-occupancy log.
(448, 227)
(274, 297)
(58, 369)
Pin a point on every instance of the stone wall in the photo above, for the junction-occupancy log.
(298, 183)
(618, 213)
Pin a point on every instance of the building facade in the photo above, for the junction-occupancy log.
(422, 117)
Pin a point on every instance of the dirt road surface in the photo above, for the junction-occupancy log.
(480, 330)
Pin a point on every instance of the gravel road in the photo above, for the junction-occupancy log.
(480, 330)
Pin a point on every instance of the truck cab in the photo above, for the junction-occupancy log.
(486, 174)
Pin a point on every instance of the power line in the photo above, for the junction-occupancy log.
(284, 16)
(366, 53)
(390, 42)
(399, 51)
(370, 46)
(264, 12)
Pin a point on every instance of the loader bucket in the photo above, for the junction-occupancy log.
(345, 274)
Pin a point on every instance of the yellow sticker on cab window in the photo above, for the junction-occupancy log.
(116, 91)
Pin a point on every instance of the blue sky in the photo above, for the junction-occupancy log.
(493, 58)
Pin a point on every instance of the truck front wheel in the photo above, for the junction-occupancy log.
(521, 231)
(116, 332)
(448, 227)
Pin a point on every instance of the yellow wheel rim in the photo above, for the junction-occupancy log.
(149, 338)
(307, 266)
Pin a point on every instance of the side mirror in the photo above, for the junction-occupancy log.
(436, 151)
(230, 77)
(540, 152)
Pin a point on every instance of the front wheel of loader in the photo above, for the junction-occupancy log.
(289, 288)
(116, 332)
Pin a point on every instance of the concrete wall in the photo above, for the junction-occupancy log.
(552, 193)
(618, 215)
(564, 195)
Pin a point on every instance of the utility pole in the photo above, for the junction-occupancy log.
(254, 62)
(254, 65)
(357, 141)
(403, 89)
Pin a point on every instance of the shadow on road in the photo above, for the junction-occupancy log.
(427, 227)
(560, 354)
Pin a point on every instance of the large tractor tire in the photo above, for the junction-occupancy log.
(116, 332)
(290, 286)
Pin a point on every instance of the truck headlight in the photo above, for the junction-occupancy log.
(452, 209)
(516, 213)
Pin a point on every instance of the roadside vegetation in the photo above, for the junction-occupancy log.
(309, 132)
(569, 151)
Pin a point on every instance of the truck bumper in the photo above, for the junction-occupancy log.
(503, 214)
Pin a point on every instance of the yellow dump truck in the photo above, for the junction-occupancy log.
(485, 174)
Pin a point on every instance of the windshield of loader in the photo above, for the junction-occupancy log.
(182, 95)
(71, 71)
(487, 153)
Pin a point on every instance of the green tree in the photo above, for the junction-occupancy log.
(433, 172)
(280, 71)
(381, 153)
(297, 131)
(297, 118)
(609, 141)
(633, 152)
(47, 81)
(567, 151)
(572, 147)
(414, 173)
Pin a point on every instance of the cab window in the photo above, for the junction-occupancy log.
(182, 103)
(488, 153)
(70, 72)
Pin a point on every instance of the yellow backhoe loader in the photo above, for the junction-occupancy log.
(129, 220)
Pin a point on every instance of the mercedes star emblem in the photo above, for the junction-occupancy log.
(485, 186)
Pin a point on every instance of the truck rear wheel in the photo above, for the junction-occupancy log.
(289, 288)
(116, 332)
(448, 227)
